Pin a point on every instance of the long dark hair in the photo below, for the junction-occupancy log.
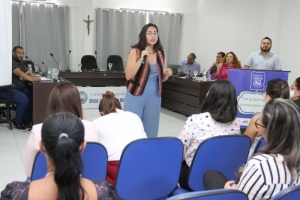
(221, 101)
(142, 43)
(278, 88)
(65, 97)
(62, 136)
(109, 103)
(298, 83)
(282, 119)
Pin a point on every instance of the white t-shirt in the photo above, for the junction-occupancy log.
(116, 130)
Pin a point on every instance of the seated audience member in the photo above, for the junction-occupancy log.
(295, 92)
(263, 59)
(190, 64)
(62, 142)
(278, 165)
(229, 61)
(213, 68)
(116, 128)
(217, 117)
(64, 97)
(276, 88)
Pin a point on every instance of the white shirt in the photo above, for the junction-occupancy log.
(269, 62)
(116, 130)
(264, 176)
(200, 127)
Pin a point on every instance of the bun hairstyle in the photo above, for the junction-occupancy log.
(278, 88)
(282, 120)
(62, 136)
(109, 103)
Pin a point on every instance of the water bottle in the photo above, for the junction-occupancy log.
(49, 72)
(208, 76)
(29, 68)
(204, 76)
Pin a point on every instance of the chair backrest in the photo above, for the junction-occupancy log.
(94, 160)
(88, 62)
(174, 68)
(290, 193)
(222, 153)
(149, 168)
(117, 62)
(212, 195)
(26, 62)
(260, 144)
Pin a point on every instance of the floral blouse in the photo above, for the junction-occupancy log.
(19, 191)
(201, 126)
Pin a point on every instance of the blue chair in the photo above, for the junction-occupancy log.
(222, 153)
(212, 195)
(290, 193)
(149, 168)
(260, 144)
(94, 160)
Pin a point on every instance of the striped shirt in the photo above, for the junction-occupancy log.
(264, 176)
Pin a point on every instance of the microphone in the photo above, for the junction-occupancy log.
(46, 68)
(51, 54)
(96, 59)
(145, 57)
(32, 61)
(68, 61)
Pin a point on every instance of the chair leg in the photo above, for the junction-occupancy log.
(8, 117)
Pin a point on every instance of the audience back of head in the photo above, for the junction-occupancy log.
(109, 103)
(65, 97)
(221, 101)
(62, 137)
(282, 121)
(278, 88)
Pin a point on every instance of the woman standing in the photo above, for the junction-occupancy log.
(229, 61)
(146, 69)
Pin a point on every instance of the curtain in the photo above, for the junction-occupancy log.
(116, 31)
(169, 30)
(43, 29)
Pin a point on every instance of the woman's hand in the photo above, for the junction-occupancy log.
(145, 53)
(230, 185)
(168, 72)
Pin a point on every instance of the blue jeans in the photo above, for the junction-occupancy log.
(23, 99)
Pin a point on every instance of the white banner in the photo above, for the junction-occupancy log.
(91, 96)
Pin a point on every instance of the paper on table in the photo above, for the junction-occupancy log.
(45, 79)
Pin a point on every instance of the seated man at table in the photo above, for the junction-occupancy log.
(213, 68)
(21, 94)
(189, 65)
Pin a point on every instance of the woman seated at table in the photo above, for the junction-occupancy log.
(295, 92)
(276, 88)
(278, 165)
(116, 128)
(217, 117)
(62, 142)
(229, 61)
(64, 97)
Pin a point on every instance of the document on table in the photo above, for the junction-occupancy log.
(45, 79)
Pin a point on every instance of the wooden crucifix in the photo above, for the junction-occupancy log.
(88, 21)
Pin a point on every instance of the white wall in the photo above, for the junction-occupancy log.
(239, 25)
(82, 44)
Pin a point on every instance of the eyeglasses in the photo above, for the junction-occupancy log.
(20, 53)
(257, 124)
(152, 33)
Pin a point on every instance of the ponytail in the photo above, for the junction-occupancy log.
(62, 136)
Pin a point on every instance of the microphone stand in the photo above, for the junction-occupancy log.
(68, 70)
(46, 73)
(51, 54)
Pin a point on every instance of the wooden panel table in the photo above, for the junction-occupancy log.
(184, 95)
(42, 90)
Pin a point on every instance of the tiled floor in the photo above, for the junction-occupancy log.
(13, 142)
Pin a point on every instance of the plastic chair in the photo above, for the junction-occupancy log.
(212, 195)
(117, 62)
(149, 168)
(260, 144)
(88, 63)
(290, 193)
(222, 153)
(7, 103)
(94, 160)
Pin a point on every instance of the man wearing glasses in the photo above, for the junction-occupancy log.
(21, 94)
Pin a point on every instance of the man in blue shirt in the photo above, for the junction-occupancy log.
(189, 65)
(263, 59)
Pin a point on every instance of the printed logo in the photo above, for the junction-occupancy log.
(93, 100)
(83, 97)
(257, 81)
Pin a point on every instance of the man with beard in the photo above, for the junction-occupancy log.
(263, 59)
(22, 96)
